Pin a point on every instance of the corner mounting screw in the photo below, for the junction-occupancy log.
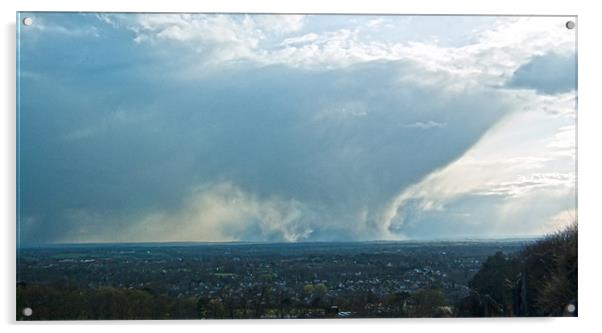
(570, 25)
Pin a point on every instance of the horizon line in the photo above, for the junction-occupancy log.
(243, 242)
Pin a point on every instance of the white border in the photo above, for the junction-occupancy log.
(589, 141)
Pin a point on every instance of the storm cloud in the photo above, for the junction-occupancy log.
(551, 73)
(122, 140)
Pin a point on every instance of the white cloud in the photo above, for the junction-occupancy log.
(425, 125)
(527, 175)
(558, 221)
(218, 212)
(525, 185)
(376, 22)
(491, 60)
(279, 24)
(217, 38)
(310, 37)
(563, 143)
(42, 25)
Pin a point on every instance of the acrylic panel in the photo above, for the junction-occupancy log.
(232, 166)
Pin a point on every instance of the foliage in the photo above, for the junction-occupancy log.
(551, 273)
(540, 281)
(492, 285)
(66, 303)
(429, 303)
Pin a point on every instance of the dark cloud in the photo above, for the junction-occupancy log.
(111, 136)
(551, 73)
(273, 131)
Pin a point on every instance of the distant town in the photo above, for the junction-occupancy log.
(245, 280)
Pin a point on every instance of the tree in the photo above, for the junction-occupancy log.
(216, 309)
(428, 303)
(541, 280)
(549, 273)
(496, 279)
(397, 303)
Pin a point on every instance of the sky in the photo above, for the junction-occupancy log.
(291, 128)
